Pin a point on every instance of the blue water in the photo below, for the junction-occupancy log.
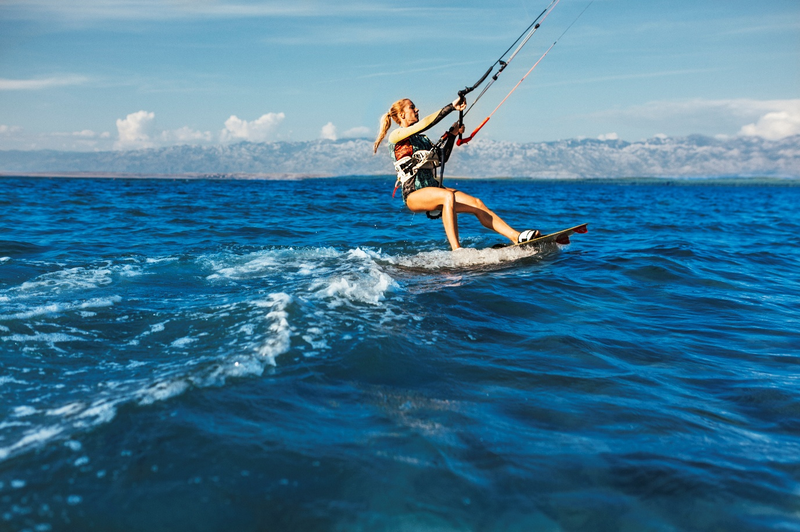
(308, 355)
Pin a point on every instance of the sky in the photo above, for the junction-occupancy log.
(127, 74)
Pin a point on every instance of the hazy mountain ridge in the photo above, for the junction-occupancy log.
(693, 156)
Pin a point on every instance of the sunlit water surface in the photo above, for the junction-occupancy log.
(308, 355)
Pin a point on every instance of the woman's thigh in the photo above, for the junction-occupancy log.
(428, 199)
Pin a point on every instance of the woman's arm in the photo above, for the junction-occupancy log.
(423, 125)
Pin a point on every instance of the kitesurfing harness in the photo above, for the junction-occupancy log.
(408, 166)
(424, 155)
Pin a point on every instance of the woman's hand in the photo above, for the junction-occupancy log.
(460, 103)
(456, 129)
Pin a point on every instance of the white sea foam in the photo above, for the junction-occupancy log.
(301, 261)
(79, 278)
(183, 342)
(33, 312)
(23, 411)
(100, 302)
(31, 438)
(66, 410)
(161, 391)
(306, 269)
(49, 338)
(5, 379)
(101, 411)
(259, 331)
(315, 338)
(361, 282)
(62, 422)
(74, 445)
(59, 308)
(464, 258)
(276, 341)
(241, 366)
(154, 328)
(32, 301)
(9, 424)
(160, 260)
(255, 265)
(279, 339)
(370, 290)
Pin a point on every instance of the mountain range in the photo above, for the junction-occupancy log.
(692, 156)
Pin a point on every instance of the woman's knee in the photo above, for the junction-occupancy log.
(449, 199)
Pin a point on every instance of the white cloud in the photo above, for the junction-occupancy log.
(185, 135)
(772, 119)
(328, 131)
(608, 136)
(776, 125)
(84, 140)
(357, 132)
(134, 130)
(37, 84)
(157, 9)
(137, 131)
(8, 130)
(85, 134)
(259, 130)
(186, 9)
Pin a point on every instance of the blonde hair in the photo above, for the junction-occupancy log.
(385, 122)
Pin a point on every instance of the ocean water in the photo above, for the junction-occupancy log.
(308, 355)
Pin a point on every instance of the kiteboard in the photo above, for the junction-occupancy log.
(559, 237)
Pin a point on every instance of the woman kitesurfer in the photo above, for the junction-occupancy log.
(422, 191)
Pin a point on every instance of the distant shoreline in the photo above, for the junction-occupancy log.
(680, 181)
(191, 175)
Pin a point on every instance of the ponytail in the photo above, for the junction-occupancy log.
(383, 127)
(386, 121)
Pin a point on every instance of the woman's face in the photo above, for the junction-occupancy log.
(410, 114)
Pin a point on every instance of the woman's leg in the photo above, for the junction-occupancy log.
(487, 218)
(434, 199)
(451, 202)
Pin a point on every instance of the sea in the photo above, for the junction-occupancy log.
(308, 355)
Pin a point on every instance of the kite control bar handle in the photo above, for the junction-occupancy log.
(462, 95)
(466, 90)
